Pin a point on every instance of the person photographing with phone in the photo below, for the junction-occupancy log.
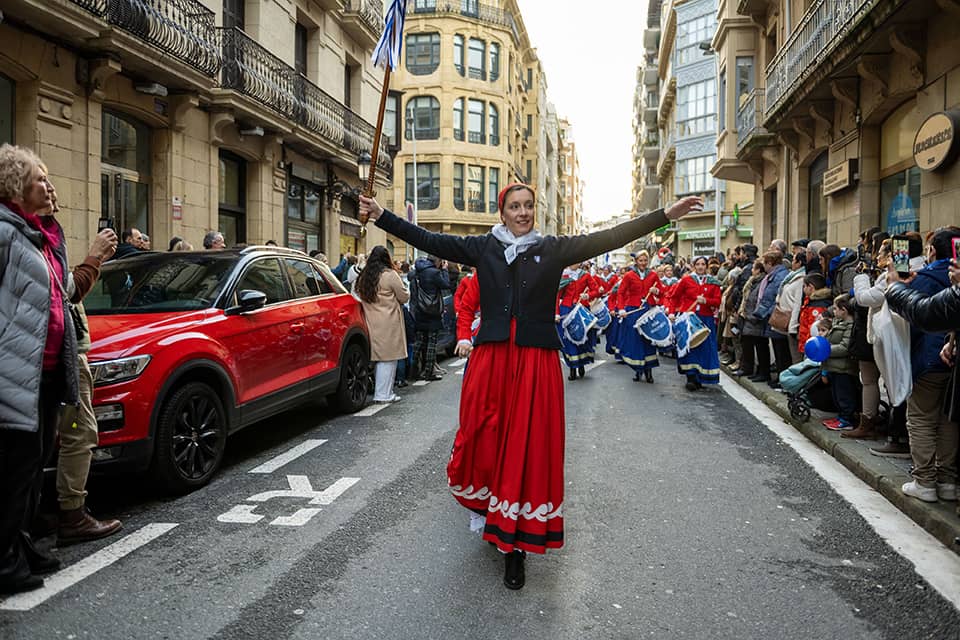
(933, 436)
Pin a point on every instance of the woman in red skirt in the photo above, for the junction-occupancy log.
(507, 460)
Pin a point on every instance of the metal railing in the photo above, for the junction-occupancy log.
(428, 202)
(476, 206)
(749, 117)
(458, 134)
(476, 137)
(494, 140)
(458, 203)
(825, 23)
(183, 28)
(421, 69)
(370, 12)
(423, 133)
(250, 69)
(490, 14)
(477, 74)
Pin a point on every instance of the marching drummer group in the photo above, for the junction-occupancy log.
(643, 312)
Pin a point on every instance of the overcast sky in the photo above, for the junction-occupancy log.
(590, 52)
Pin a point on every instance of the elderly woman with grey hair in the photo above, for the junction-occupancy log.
(38, 371)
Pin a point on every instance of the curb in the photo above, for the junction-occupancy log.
(939, 519)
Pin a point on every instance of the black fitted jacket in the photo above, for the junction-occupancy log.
(934, 314)
(527, 289)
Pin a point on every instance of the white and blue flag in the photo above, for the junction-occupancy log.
(387, 50)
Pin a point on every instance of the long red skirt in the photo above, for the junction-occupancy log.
(507, 460)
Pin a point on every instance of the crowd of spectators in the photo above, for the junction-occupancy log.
(891, 374)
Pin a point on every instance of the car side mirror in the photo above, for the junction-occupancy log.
(249, 300)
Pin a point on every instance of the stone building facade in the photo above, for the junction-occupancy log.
(179, 117)
(829, 125)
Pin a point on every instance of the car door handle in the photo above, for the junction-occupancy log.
(343, 314)
(296, 327)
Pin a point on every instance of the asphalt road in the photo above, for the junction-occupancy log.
(685, 517)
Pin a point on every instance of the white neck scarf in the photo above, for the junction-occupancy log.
(514, 244)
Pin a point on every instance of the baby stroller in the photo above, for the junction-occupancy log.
(797, 382)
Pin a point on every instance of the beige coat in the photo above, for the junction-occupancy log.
(388, 340)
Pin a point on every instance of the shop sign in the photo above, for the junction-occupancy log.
(839, 177)
(935, 145)
(902, 215)
(176, 208)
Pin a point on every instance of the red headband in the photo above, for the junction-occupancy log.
(510, 187)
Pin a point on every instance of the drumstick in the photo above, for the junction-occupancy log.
(640, 308)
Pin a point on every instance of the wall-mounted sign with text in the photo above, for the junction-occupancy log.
(935, 145)
(839, 177)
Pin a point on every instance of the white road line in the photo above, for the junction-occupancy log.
(421, 383)
(298, 519)
(459, 363)
(935, 563)
(334, 491)
(66, 578)
(459, 372)
(275, 463)
(374, 408)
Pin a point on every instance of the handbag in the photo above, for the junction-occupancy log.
(780, 319)
(428, 304)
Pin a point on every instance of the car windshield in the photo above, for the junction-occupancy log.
(160, 282)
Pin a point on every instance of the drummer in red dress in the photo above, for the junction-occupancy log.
(507, 459)
(639, 291)
(700, 293)
(611, 282)
(576, 287)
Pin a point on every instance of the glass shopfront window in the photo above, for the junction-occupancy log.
(6, 109)
(125, 171)
(816, 201)
(232, 199)
(899, 175)
(304, 228)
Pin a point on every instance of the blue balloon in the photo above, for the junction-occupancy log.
(817, 348)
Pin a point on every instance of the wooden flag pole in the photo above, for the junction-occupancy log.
(375, 151)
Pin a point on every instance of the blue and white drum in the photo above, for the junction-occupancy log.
(601, 313)
(654, 325)
(577, 324)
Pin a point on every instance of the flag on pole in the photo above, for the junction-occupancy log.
(387, 50)
(736, 214)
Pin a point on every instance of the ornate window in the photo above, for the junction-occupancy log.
(424, 114)
(423, 53)
(427, 184)
(493, 115)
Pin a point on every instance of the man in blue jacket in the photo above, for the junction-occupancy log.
(766, 301)
(933, 438)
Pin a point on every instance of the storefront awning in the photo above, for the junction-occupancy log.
(745, 232)
(697, 234)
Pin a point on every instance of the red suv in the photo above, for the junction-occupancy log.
(190, 347)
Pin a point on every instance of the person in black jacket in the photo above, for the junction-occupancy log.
(507, 459)
(429, 280)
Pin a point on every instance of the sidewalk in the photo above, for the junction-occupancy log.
(886, 475)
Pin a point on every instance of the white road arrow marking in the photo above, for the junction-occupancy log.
(241, 514)
(298, 519)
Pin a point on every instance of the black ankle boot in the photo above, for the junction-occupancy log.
(636, 377)
(648, 376)
(573, 374)
(580, 371)
(514, 576)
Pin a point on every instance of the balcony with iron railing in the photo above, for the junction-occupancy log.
(750, 118)
(363, 20)
(184, 29)
(458, 203)
(249, 69)
(487, 13)
(458, 134)
(476, 205)
(823, 27)
(477, 74)
(423, 133)
(476, 137)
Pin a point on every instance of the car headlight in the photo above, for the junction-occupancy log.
(113, 371)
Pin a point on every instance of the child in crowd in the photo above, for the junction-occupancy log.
(840, 367)
(816, 299)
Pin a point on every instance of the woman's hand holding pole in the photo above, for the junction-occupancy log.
(370, 208)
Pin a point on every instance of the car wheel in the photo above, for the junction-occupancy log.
(354, 385)
(191, 437)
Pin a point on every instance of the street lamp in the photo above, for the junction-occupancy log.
(363, 167)
(412, 126)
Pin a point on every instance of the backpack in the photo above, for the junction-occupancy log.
(427, 304)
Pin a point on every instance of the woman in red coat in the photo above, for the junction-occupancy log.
(507, 459)
(577, 286)
(700, 293)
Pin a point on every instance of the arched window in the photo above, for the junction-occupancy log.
(493, 115)
(424, 114)
(423, 53)
(816, 201)
(458, 119)
(458, 53)
(899, 174)
(494, 61)
(475, 121)
(478, 51)
(6, 109)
